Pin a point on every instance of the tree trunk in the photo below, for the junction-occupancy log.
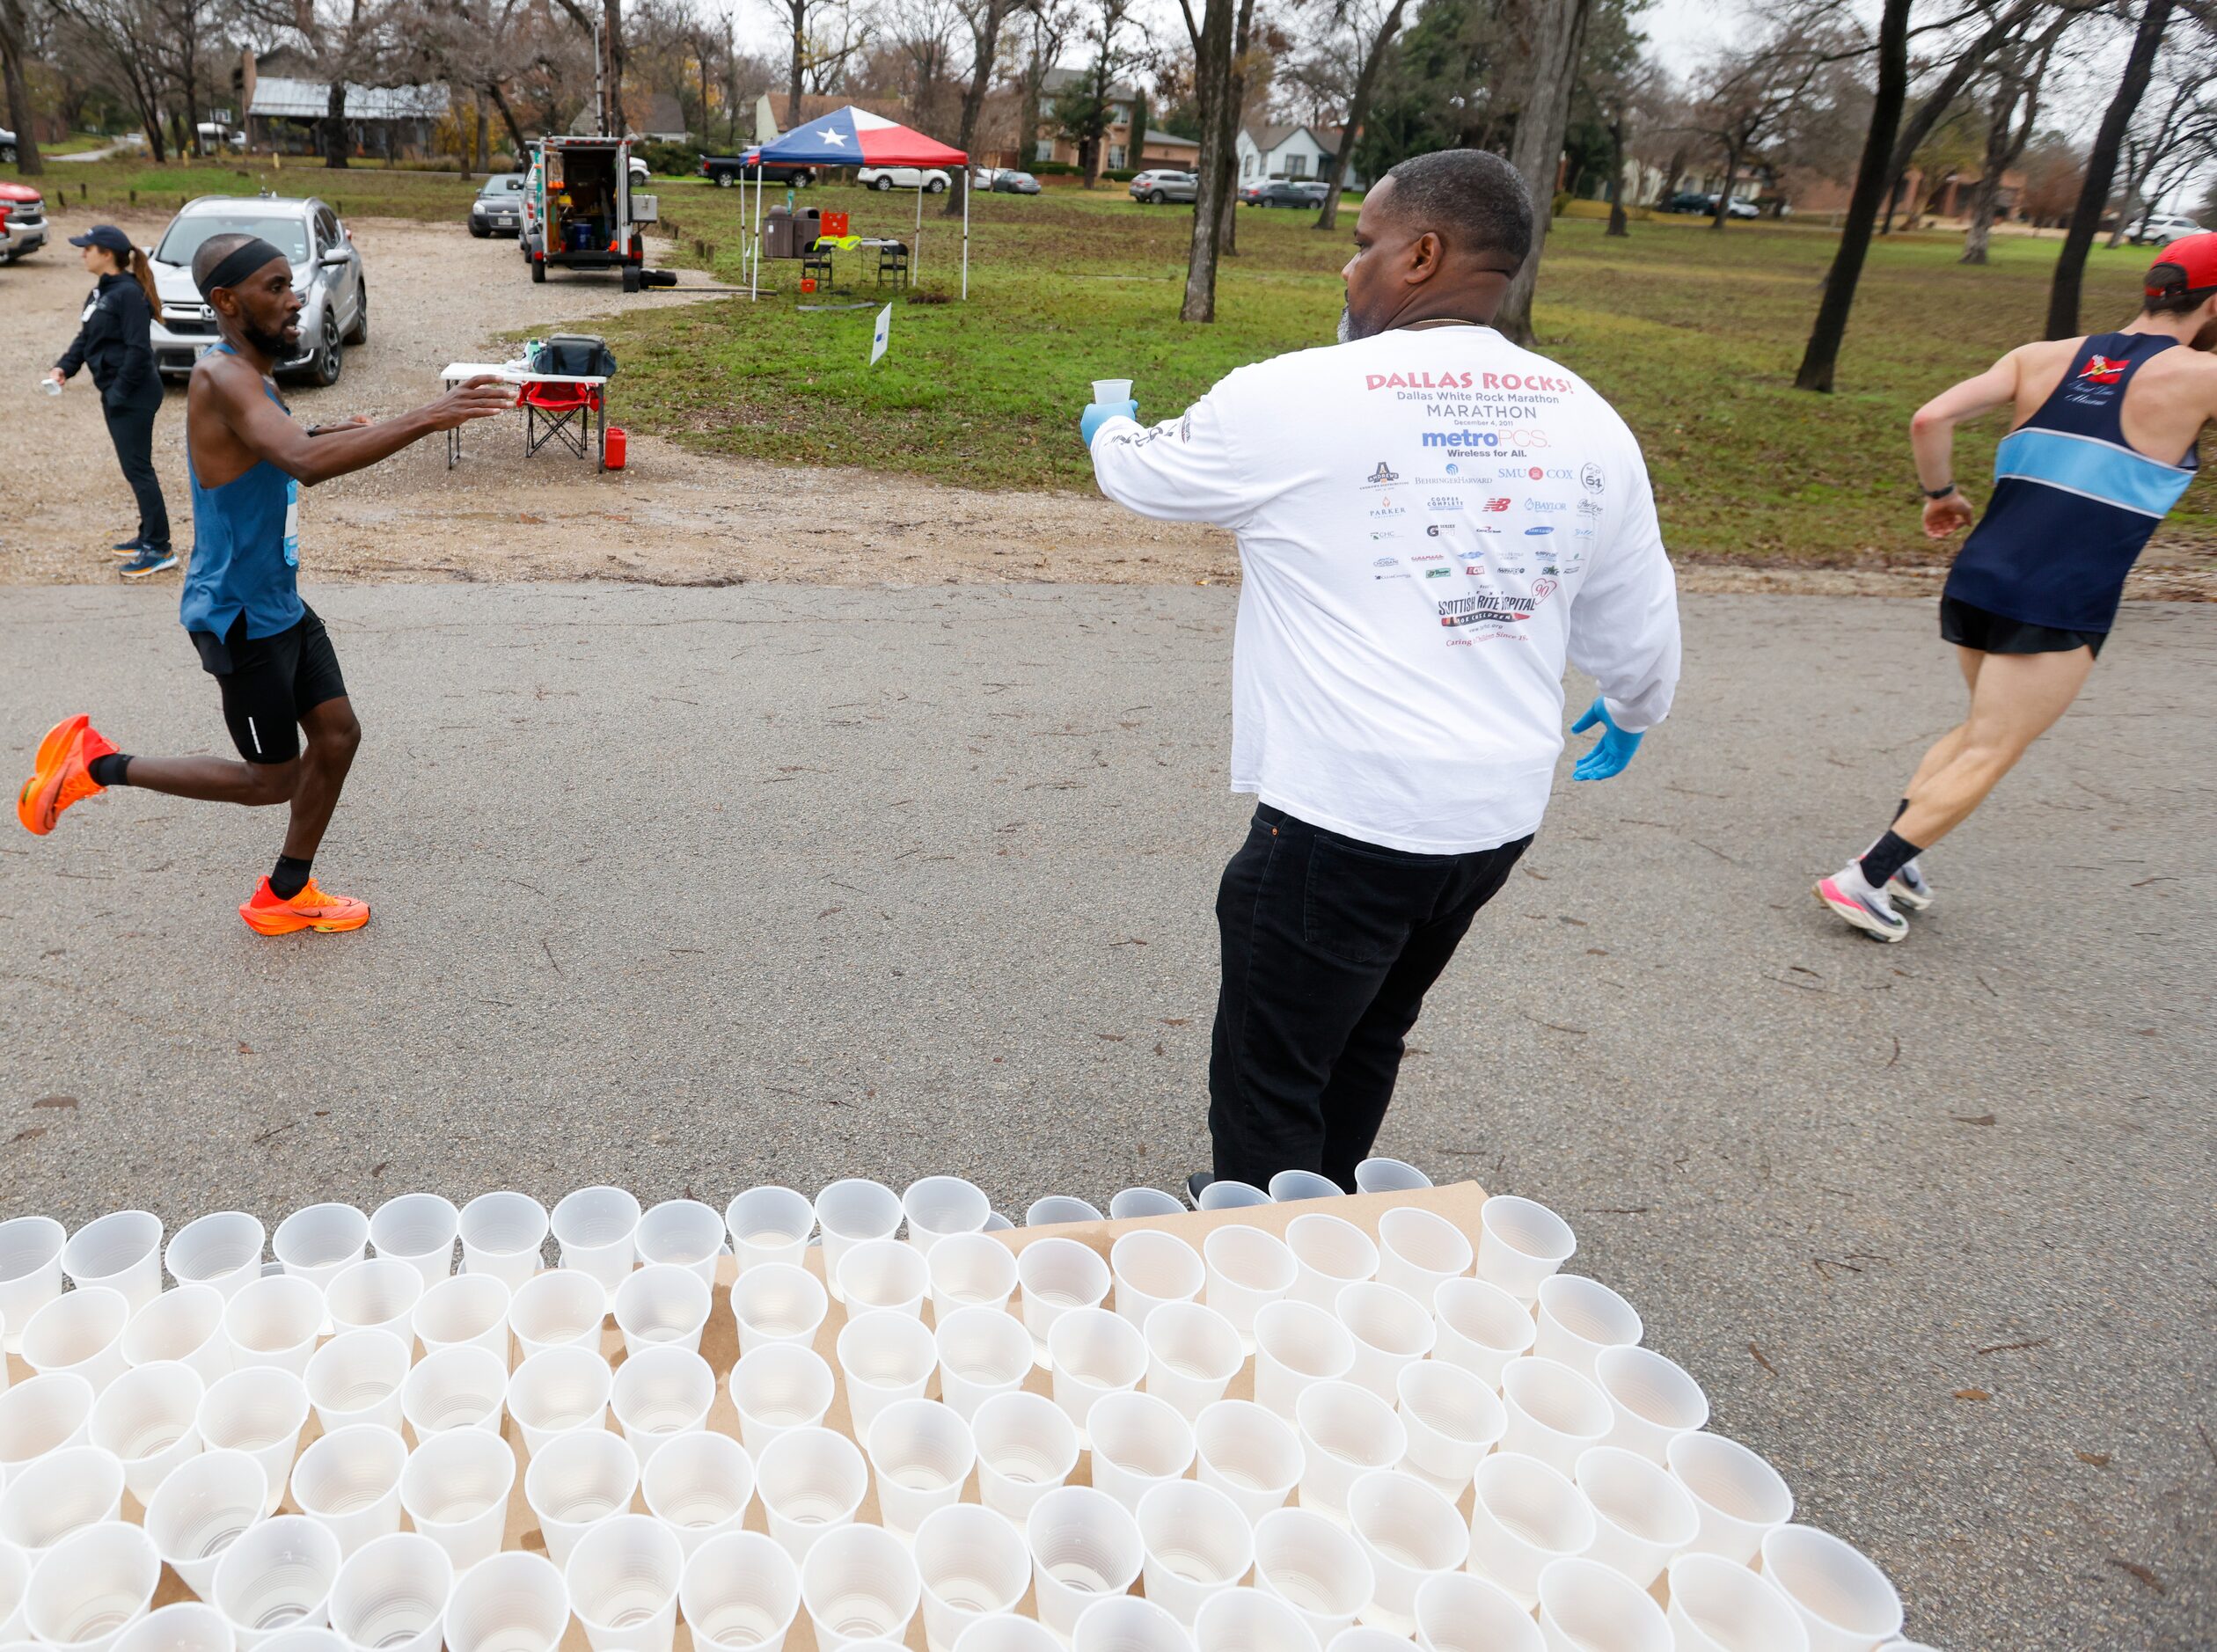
(481, 137)
(1558, 35)
(523, 156)
(1987, 198)
(612, 27)
(2100, 167)
(334, 124)
(1228, 157)
(1358, 112)
(987, 42)
(1212, 90)
(1670, 177)
(799, 12)
(1618, 226)
(13, 32)
(1732, 179)
(1831, 329)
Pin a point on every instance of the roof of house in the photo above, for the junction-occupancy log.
(280, 96)
(1170, 140)
(1055, 79)
(1267, 136)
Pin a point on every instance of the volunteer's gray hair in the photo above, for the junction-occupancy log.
(1471, 198)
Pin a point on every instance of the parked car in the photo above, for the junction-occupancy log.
(1284, 192)
(1008, 181)
(1690, 202)
(327, 273)
(7, 146)
(933, 182)
(724, 170)
(2164, 228)
(499, 206)
(215, 134)
(1155, 187)
(24, 210)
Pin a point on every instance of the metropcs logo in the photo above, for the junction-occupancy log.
(1486, 440)
(1466, 381)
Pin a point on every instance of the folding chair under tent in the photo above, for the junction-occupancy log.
(855, 137)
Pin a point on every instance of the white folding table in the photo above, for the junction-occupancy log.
(515, 373)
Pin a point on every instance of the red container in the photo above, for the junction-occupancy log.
(612, 458)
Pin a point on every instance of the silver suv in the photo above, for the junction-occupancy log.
(327, 274)
(1155, 187)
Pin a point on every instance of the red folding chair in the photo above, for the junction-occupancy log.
(564, 412)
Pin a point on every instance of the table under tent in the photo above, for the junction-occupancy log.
(855, 137)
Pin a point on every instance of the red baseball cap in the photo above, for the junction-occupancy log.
(2196, 254)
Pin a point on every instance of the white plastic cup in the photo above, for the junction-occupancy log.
(1058, 1275)
(883, 1356)
(1391, 1329)
(1196, 1543)
(185, 1325)
(1059, 1208)
(1453, 1419)
(275, 1321)
(1409, 1533)
(1329, 1254)
(259, 1411)
(459, 1387)
(1126, 1623)
(811, 1482)
(1138, 1441)
(222, 1250)
(769, 1224)
(30, 1271)
(972, 1564)
(201, 1509)
(455, 1488)
(1092, 1353)
(1521, 1242)
(66, 1493)
(1249, 1453)
(1085, 1544)
(1142, 1204)
(940, 1206)
(921, 1455)
(623, 1576)
(356, 1378)
(187, 1626)
(558, 1389)
(15, 1579)
(1193, 1353)
(1586, 1607)
(315, 1242)
(1651, 1399)
(700, 1492)
(1298, 1345)
(1524, 1516)
(1720, 1605)
(122, 1251)
(377, 1294)
(391, 1594)
(859, 1585)
(512, 1602)
(576, 1482)
(682, 1234)
(1554, 1414)
(660, 1393)
(982, 1352)
(467, 1311)
(850, 1211)
(1250, 1620)
(884, 1274)
(596, 1233)
(1109, 392)
(1231, 1195)
(1289, 1187)
(90, 1587)
(418, 1228)
(1579, 1317)
(1313, 1565)
(1419, 1251)
(1482, 1328)
(81, 1334)
(146, 1418)
(777, 1303)
(558, 1309)
(40, 1415)
(1641, 1516)
(1844, 1603)
(1346, 1431)
(776, 1388)
(1005, 1632)
(274, 1575)
(739, 1590)
(350, 1481)
(1151, 1268)
(970, 1270)
(662, 1305)
(305, 1637)
(1741, 1498)
(500, 1234)
(1460, 1612)
(1248, 1270)
(1027, 1447)
(1389, 1175)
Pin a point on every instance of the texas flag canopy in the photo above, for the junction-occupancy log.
(855, 137)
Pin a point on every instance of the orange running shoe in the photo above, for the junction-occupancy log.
(59, 775)
(311, 908)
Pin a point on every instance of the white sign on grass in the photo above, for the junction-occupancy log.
(882, 334)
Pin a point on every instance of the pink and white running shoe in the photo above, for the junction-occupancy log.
(1849, 894)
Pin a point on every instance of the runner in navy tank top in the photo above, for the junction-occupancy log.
(2101, 446)
(268, 653)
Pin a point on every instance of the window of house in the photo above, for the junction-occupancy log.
(1297, 165)
(1246, 165)
(1044, 150)
(1115, 156)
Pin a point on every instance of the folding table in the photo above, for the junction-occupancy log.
(580, 424)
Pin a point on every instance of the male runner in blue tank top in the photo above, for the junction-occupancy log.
(266, 648)
(2101, 446)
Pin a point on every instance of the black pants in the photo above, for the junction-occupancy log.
(1329, 946)
(131, 427)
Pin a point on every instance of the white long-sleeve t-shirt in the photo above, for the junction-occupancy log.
(1431, 522)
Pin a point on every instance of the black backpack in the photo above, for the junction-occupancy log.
(576, 356)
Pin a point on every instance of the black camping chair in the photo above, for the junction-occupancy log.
(893, 259)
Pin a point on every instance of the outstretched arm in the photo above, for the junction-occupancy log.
(268, 433)
(1932, 438)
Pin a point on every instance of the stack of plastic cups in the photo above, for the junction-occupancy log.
(660, 1393)
(811, 1482)
(921, 1454)
(778, 1388)
(500, 1234)
(558, 1310)
(1058, 1275)
(456, 1491)
(982, 1352)
(1315, 1566)
(120, 1251)
(274, 1575)
(1196, 1543)
(1389, 1175)
(1298, 1345)
(1586, 1607)
(884, 1274)
(575, 1482)
(1057, 1210)
(769, 1224)
(1641, 1516)
(222, 1250)
(1844, 1602)
(1139, 1441)
(883, 1356)
(467, 1311)
(682, 1234)
(556, 1391)
(1521, 1242)
(661, 1305)
(1150, 1268)
(972, 1564)
(739, 1590)
(1248, 1270)
(1391, 1329)
(1346, 1431)
(701, 1492)
(418, 1228)
(595, 1232)
(1092, 1353)
(1719, 1605)
(80, 1335)
(1419, 1251)
(777, 1302)
(1128, 1624)
(1026, 1448)
(1740, 1498)
(940, 1206)
(1290, 1186)
(199, 1512)
(31, 1270)
(512, 1602)
(1249, 1453)
(261, 1412)
(275, 1322)
(1554, 1414)
(850, 1211)
(1408, 1533)
(392, 1594)
(1524, 1516)
(377, 1295)
(969, 1270)
(859, 1585)
(90, 1587)
(1460, 1612)
(1083, 1545)
(457, 1387)
(623, 1576)
(349, 1483)
(1193, 1353)
(59, 1495)
(1481, 1328)
(1579, 1317)
(1651, 1399)
(1453, 1419)
(146, 1418)
(1250, 1620)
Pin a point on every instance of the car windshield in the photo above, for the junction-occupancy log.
(505, 184)
(289, 235)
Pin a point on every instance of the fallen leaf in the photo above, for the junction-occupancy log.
(243, 1049)
(1597, 952)
(1972, 1393)
(2140, 1572)
(32, 1134)
(1175, 1020)
(379, 1169)
(2096, 1459)
(1983, 1118)
(2012, 1347)
(1575, 922)
(1113, 1038)
(68, 1101)
(1759, 1360)
(527, 517)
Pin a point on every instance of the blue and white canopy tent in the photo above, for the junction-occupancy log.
(855, 137)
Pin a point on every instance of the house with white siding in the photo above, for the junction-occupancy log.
(1290, 151)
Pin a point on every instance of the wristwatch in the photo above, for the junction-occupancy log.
(1940, 492)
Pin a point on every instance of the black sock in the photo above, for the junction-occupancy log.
(1887, 855)
(291, 877)
(1901, 808)
(108, 770)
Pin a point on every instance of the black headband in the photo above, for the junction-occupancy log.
(238, 265)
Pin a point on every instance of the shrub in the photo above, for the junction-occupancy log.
(668, 159)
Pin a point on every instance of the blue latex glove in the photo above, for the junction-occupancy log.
(1611, 752)
(1099, 413)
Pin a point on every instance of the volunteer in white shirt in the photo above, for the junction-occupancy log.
(1430, 520)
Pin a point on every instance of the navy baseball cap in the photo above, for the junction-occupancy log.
(104, 235)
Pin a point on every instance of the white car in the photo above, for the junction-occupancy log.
(2164, 228)
(933, 182)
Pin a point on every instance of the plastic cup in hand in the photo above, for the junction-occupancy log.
(1389, 1175)
(660, 1393)
(777, 1303)
(1652, 1400)
(1193, 1353)
(185, 1324)
(512, 1602)
(1641, 1516)
(377, 1294)
(1482, 1328)
(1128, 1624)
(1329, 1254)
(1248, 1270)
(972, 1564)
(1057, 1274)
(738, 1589)
(1005, 1632)
(574, 1483)
(811, 1482)
(1346, 1431)
(501, 1233)
(275, 1574)
(350, 1482)
(1298, 1345)
(275, 1321)
(558, 1310)
(467, 1311)
(1151, 1268)
(1197, 1544)
(1459, 1612)
(1844, 1603)
(1138, 1441)
(1092, 1353)
(90, 1587)
(970, 1270)
(662, 1305)
(30, 1271)
(850, 1211)
(455, 1488)
(1109, 392)
(187, 1626)
(940, 1206)
(1232, 1195)
(595, 1232)
(418, 1228)
(884, 1274)
(700, 1492)
(1741, 1498)
(261, 1412)
(80, 1334)
(1554, 1414)
(1057, 1209)
(1719, 1605)
(1453, 1419)
(146, 1418)
(860, 1584)
(1250, 1620)
(222, 1250)
(122, 1251)
(1409, 1533)
(1579, 1317)
(776, 1388)
(921, 1454)
(356, 1378)
(883, 1356)
(393, 1593)
(1586, 1607)
(1314, 1566)
(1085, 1544)
(682, 1234)
(1419, 1251)
(1142, 1204)
(1391, 1329)
(1521, 1242)
(461, 1387)
(1250, 1454)
(1026, 1448)
(1290, 1186)
(982, 1352)
(769, 1224)
(318, 1240)
(199, 1512)
(68, 1492)
(557, 1391)
(623, 1576)
(1523, 1516)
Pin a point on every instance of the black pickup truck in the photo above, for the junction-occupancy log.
(724, 170)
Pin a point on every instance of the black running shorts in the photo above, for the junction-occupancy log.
(1969, 626)
(269, 683)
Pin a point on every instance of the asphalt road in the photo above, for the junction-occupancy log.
(694, 889)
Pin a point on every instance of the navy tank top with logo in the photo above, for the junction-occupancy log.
(245, 550)
(2073, 501)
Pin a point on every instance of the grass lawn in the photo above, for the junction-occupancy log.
(364, 189)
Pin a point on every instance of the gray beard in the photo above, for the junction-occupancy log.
(1347, 334)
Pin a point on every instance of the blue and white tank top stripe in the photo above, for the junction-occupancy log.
(2108, 473)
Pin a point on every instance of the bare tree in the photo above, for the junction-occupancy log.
(15, 37)
(2012, 115)
(1554, 33)
(124, 36)
(2169, 138)
(1750, 97)
(2101, 168)
(985, 18)
(1372, 23)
